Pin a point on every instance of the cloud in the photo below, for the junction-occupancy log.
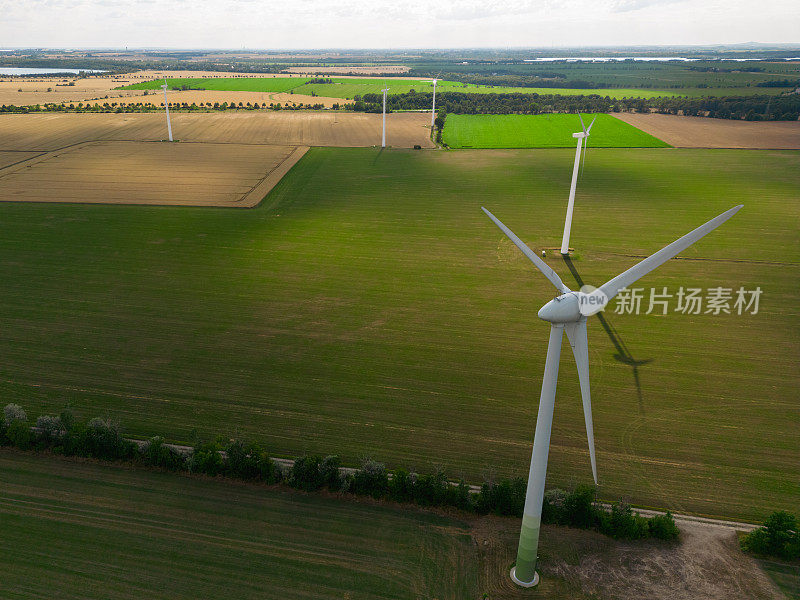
(619, 6)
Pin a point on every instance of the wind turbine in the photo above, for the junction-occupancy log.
(166, 106)
(568, 312)
(433, 106)
(383, 137)
(581, 135)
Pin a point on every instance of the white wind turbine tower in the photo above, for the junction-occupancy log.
(433, 106)
(581, 135)
(166, 106)
(383, 137)
(568, 312)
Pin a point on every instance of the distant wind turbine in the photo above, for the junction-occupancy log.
(383, 137)
(569, 312)
(581, 135)
(166, 107)
(433, 106)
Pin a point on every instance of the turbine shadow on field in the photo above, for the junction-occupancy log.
(623, 355)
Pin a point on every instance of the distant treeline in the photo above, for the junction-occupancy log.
(753, 108)
(102, 439)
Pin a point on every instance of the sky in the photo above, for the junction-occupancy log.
(308, 24)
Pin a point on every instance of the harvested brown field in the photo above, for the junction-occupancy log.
(51, 131)
(701, 132)
(10, 158)
(57, 90)
(364, 70)
(202, 96)
(35, 90)
(114, 172)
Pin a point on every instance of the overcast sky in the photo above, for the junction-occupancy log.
(393, 23)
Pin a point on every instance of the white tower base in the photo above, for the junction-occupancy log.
(529, 584)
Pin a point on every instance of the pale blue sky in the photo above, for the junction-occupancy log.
(397, 23)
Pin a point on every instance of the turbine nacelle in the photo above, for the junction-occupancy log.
(580, 134)
(562, 309)
(573, 306)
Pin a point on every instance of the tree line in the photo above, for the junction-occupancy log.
(102, 439)
(784, 107)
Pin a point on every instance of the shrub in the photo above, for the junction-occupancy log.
(104, 440)
(579, 509)
(306, 474)
(663, 527)
(243, 461)
(19, 434)
(401, 486)
(431, 489)
(14, 412)
(156, 454)
(329, 471)
(206, 459)
(778, 537)
(370, 480)
(50, 430)
(504, 498)
(459, 496)
(623, 524)
(553, 506)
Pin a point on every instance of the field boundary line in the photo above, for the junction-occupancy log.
(288, 463)
(259, 191)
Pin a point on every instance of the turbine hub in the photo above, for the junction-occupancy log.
(562, 309)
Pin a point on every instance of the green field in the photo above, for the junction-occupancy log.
(541, 131)
(348, 88)
(342, 87)
(243, 84)
(82, 530)
(368, 307)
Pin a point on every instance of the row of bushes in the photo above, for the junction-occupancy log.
(102, 439)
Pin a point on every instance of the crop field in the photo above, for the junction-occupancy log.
(697, 132)
(52, 131)
(349, 87)
(90, 531)
(233, 175)
(243, 84)
(121, 532)
(368, 307)
(541, 131)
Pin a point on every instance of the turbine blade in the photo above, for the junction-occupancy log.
(583, 127)
(551, 275)
(576, 334)
(613, 286)
(588, 131)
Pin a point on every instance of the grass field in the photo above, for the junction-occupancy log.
(114, 531)
(244, 84)
(73, 530)
(541, 131)
(390, 318)
(345, 87)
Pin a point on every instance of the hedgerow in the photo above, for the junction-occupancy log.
(103, 439)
